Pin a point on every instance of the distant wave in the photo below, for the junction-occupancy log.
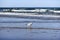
(30, 21)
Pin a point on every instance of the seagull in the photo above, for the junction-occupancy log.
(29, 24)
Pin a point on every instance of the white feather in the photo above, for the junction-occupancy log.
(29, 24)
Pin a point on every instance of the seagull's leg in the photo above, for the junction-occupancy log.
(30, 26)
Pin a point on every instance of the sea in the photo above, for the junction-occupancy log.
(52, 33)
